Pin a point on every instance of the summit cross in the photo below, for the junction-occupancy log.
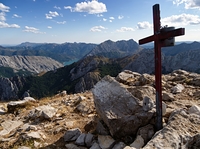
(162, 37)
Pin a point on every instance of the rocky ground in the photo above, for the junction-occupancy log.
(118, 113)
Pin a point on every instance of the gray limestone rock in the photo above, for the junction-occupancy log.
(95, 145)
(105, 142)
(72, 134)
(119, 145)
(9, 126)
(177, 89)
(81, 140)
(194, 110)
(118, 108)
(148, 104)
(89, 139)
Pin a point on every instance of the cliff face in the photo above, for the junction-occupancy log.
(9, 87)
(34, 64)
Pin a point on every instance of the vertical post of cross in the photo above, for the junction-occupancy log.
(158, 67)
(159, 38)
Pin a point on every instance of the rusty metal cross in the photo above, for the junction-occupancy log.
(160, 36)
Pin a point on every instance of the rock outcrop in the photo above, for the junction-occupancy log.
(34, 64)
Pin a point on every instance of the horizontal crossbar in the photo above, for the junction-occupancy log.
(163, 36)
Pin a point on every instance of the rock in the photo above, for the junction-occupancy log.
(26, 94)
(72, 134)
(46, 112)
(24, 147)
(9, 126)
(14, 105)
(95, 145)
(177, 89)
(71, 146)
(177, 133)
(119, 145)
(34, 135)
(194, 110)
(63, 93)
(146, 132)
(138, 143)
(89, 139)
(100, 129)
(127, 76)
(8, 89)
(2, 111)
(146, 79)
(106, 142)
(81, 140)
(164, 108)
(167, 96)
(118, 108)
(194, 142)
(148, 104)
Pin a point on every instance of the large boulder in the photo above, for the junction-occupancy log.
(181, 132)
(120, 110)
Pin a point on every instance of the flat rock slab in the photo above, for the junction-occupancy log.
(9, 126)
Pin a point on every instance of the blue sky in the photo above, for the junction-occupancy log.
(93, 21)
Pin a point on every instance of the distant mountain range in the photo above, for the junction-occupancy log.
(108, 58)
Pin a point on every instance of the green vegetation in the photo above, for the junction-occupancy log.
(110, 69)
(9, 72)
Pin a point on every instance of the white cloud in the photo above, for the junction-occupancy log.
(182, 19)
(110, 21)
(49, 27)
(111, 18)
(99, 15)
(16, 16)
(63, 22)
(3, 24)
(32, 30)
(189, 4)
(6, 25)
(2, 16)
(68, 7)
(4, 8)
(104, 19)
(143, 25)
(57, 7)
(120, 17)
(97, 29)
(51, 14)
(125, 29)
(91, 7)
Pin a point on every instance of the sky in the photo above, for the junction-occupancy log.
(93, 21)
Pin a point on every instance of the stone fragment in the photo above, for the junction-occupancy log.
(81, 140)
(72, 134)
(95, 145)
(146, 132)
(9, 126)
(106, 142)
(119, 145)
(71, 146)
(167, 96)
(89, 139)
(24, 147)
(194, 110)
(177, 89)
(138, 143)
(34, 135)
(46, 111)
(148, 104)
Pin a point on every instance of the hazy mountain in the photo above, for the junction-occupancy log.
(60, 52)
(117, 49)
(184, 56)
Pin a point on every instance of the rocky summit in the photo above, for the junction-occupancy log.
(118, 113)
